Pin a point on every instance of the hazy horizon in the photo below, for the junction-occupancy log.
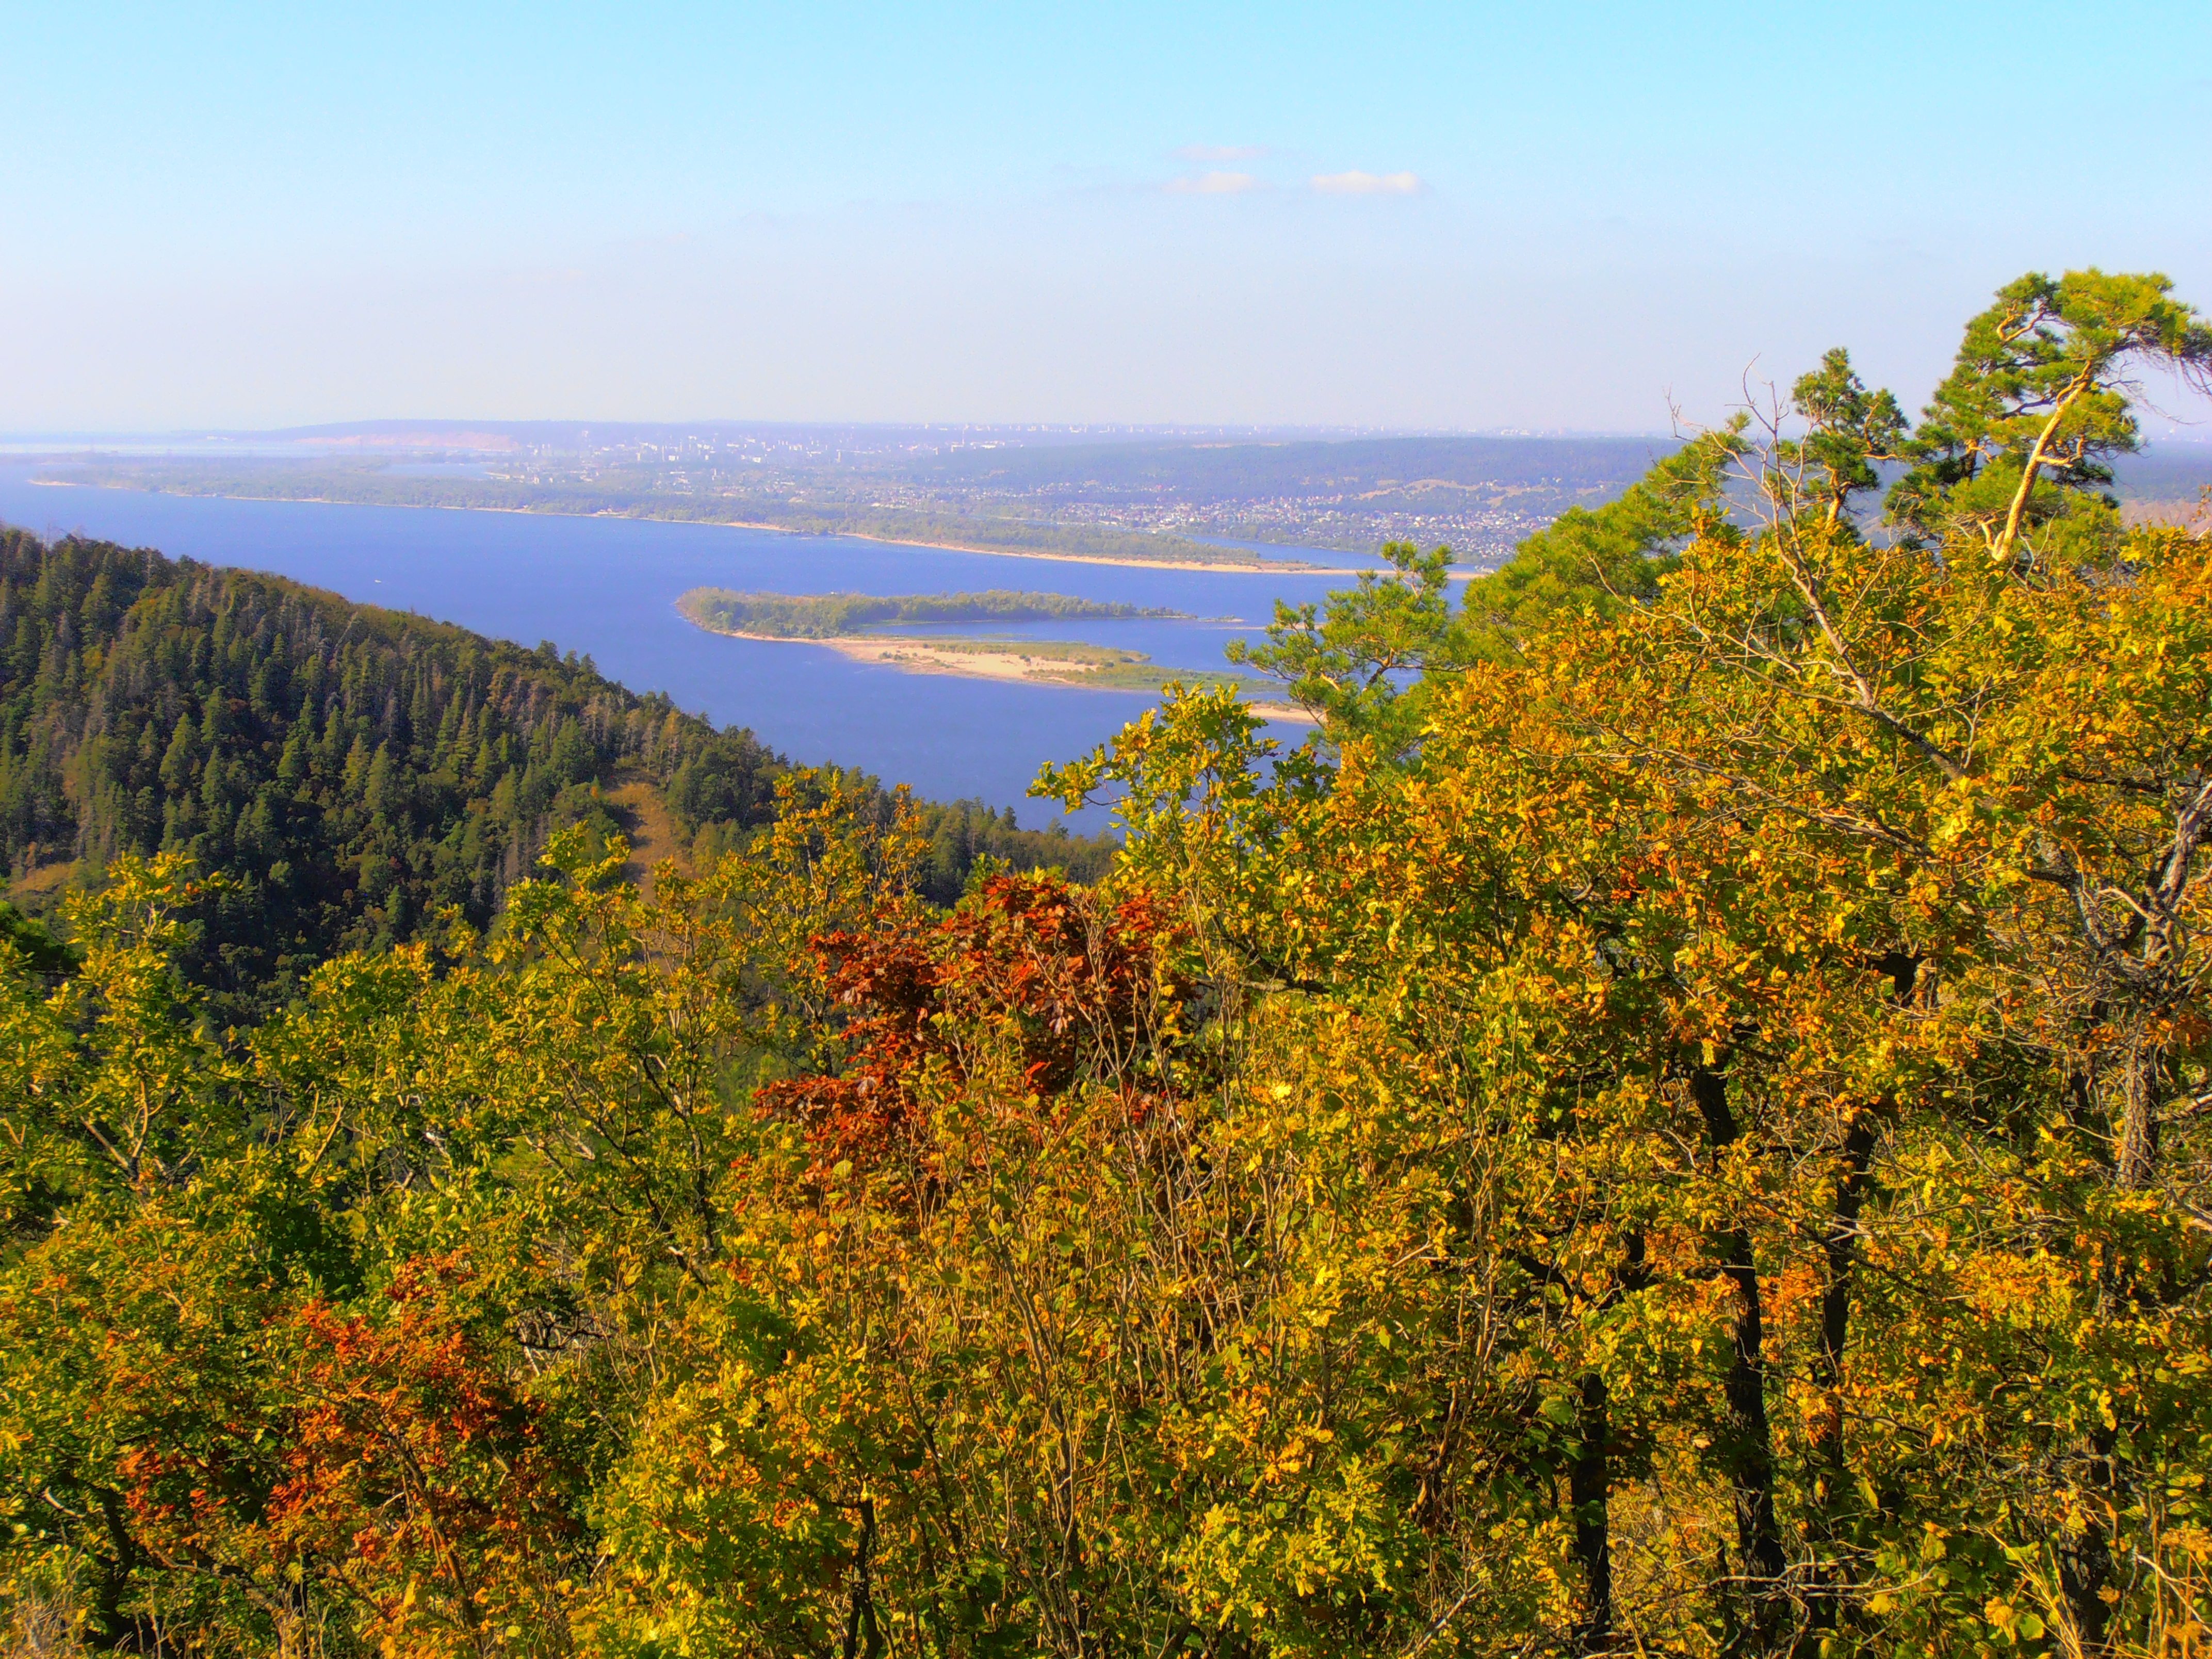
(430, 427)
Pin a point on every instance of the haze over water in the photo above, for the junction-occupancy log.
(607, 587)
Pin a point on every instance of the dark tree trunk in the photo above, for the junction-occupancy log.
(1831, 1474)
(864, 1636)
(2085, 1568)
(1748, 1452)
(1589, 1481)
(1589, 1484)
(110, 1629)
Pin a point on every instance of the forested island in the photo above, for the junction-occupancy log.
(1678, 1122)
(826, 616)
(863, 626)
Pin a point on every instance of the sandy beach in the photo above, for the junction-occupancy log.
(915, 656)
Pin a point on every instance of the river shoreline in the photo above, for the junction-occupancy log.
(1252, 568)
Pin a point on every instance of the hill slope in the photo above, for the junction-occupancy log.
(351, 771)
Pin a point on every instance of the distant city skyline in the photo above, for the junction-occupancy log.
(1579, 218)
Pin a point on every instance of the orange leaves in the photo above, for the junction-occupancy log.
(380, 1456)
(415, 1472)
(1056, 981)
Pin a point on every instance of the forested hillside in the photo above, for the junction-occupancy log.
(1682, 1125)
(350, 772)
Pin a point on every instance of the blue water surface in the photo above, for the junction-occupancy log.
(607, 587)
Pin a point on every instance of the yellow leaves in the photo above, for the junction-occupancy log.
(2011, 1624)
(1304, 1325)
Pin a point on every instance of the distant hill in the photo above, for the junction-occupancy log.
(2164, 472)
(1565, 468)
(644, 492)
(1176, 500)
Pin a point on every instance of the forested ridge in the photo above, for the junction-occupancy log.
(350, 772)
(1681, 1122)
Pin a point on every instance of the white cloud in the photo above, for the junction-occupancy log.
(1367, 184)
(1217, 153)
(1214, 183)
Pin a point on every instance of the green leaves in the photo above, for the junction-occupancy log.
(1369, 661)
(1679, 1127)
(1357, 663)
(1849, 432)
(2017, 436)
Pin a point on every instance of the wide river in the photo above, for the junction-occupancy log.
(608, 587)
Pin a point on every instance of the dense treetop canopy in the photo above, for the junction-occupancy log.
(1679, 1123)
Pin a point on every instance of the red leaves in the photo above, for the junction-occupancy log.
(1074, 987)
(394, 1460)
(412, 1454)
(889, 982)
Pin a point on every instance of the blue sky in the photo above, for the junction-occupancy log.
(1549, 216)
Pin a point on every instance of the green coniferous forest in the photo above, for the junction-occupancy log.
(350, 772)
(1680, 1123)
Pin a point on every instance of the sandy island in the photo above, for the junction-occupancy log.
(915, 656)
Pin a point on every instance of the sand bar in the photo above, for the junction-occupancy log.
(917, 656)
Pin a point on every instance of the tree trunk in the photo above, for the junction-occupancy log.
(1831, 1473)
(1748, 1452)
(2135, 1121)
(2085, 1567)
(864, 1636)
(1589, 1486)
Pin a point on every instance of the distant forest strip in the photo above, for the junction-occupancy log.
(825, 616)
(378, 487)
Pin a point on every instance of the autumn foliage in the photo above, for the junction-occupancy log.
(1681, 1122)
(1053, 977)
(414, 1469)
